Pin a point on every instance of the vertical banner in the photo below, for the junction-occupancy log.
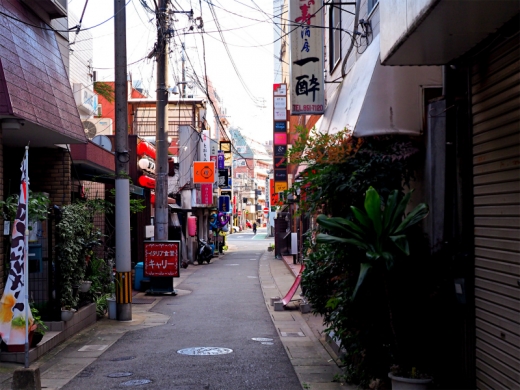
(204, 146)
(280, 140)
(307, 83)
(220, 159)
(13, 305)
(205, 194)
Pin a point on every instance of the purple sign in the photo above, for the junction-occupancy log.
(221, 159)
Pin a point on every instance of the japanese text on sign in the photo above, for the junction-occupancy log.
(161, 258)
(307, 84)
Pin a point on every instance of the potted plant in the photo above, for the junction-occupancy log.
(270, 248)
(40, 329)
(408, 379)
(375, 238)
(67, 312)
(84, 286)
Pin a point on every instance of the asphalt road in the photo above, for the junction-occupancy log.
(220, 305)
(248, 235)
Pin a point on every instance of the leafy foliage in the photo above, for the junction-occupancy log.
(104, 90)
(77, 235)
(38, 206)
(379, 234)
(340, 168)
(99, 272)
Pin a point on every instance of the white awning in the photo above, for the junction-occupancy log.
(435, 32)
(374, 99)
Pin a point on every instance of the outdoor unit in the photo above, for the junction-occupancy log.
(97, 126)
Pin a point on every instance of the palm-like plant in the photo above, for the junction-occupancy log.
(379, 233)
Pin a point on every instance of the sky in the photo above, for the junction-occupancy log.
(246, 26)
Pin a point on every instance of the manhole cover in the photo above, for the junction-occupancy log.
(119, 374)
(136, 382)
(199, 351)
(261, 339)
(123, 358)
(266, 343)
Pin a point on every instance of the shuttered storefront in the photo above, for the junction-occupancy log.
(495, 80)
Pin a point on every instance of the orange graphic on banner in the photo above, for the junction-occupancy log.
(203, 172)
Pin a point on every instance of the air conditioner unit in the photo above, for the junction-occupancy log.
(97, 126)
(86, 99)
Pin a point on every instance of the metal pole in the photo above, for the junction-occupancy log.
(26, 258)
(123, 255)
(161, 144)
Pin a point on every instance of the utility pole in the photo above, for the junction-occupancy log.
(183, 59)
(123, 255)
(161, 144)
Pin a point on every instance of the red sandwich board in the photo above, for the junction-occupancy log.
(161, 258)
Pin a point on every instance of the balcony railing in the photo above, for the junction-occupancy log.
(149, 128)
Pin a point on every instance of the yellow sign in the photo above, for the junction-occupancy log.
(280, 186)
(228, 159)
(203, 172)
(225, 146)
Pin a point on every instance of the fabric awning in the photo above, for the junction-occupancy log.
(373, 99)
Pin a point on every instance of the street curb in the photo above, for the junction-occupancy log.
(313, 360)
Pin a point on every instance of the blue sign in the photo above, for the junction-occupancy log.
(280, 127)
(223, 204)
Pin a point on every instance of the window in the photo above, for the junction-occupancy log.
(334, 35)
(372, 4)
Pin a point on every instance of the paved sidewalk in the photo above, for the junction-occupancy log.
(299, 333)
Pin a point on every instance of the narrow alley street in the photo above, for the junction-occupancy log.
(219, 306)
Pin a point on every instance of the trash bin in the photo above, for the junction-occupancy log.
(139, 276)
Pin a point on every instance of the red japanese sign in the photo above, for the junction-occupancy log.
(161, 258)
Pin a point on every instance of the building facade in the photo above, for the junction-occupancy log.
(480, 217)
(447, 74)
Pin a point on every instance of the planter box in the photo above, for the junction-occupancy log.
(58, 332)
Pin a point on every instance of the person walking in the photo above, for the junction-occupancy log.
(254, 227)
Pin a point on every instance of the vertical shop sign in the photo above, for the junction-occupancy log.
(280, 138)
(307, 83)
(204, 146)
